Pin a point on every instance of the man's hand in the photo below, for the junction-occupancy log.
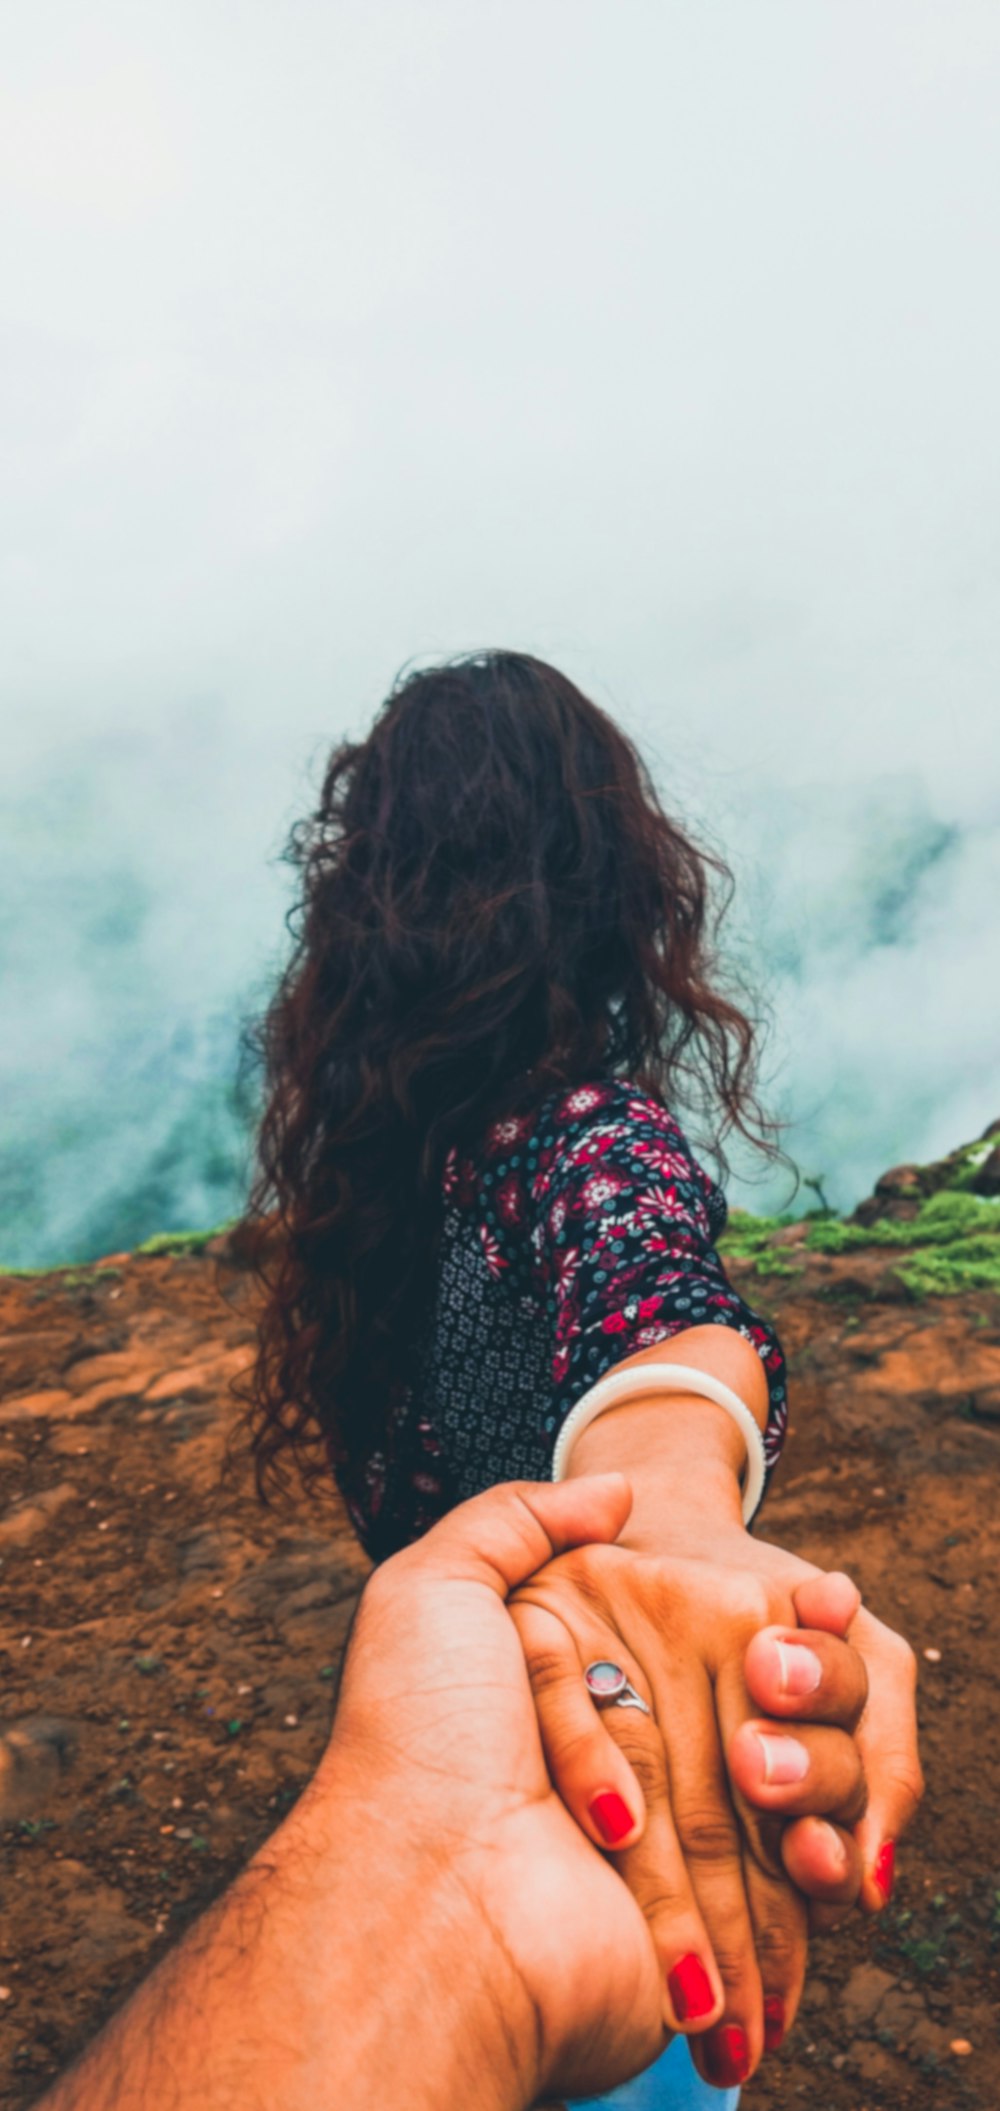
(428, 1927)
(436, 1712)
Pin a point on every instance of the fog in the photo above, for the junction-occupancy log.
(657, 339)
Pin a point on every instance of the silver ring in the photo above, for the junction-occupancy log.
(607, 1682)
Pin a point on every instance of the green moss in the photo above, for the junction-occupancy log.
(951, 1245)
(770, 1263)
(969, 1264)
(167, 1242)
(945, 1218)
(968, 1161)
(746, 1235)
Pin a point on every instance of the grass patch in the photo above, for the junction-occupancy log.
(952, 1245)
(971, 1264)
(941, 1221)
(75, 1275)
(169, 1242)
(746, 1235)
(771, 1263)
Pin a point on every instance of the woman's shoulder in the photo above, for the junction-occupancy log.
(584, 1148)
(574, 1128)
(604, 1119)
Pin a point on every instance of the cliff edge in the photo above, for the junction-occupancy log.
(170, 1649)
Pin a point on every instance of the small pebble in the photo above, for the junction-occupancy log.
(25, 1641)
(878, 1491)
(292, 1721)
(217, 1592)
(104, 1526)
(5, 1996)
(166, 1828)
(175, 1803)
(960, 2047)
(933, 1656)
(244, 1689)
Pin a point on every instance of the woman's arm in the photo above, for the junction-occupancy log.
(683, 1454)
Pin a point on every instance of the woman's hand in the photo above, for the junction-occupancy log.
(696, 1631)
(885, 1734)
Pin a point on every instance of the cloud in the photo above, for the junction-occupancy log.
(661, 342)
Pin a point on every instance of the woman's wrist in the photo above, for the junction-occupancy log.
(684, 1457)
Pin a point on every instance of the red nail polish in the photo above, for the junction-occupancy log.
(611, 1816)
(774, 2022)
(690, 1989)
(727, 2055)
(885, 1869)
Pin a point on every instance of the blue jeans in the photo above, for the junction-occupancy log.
(671, 2084)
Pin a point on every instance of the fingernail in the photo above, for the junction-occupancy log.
(727, 2055)
(885, 1869)
(774, 2022)
(785, 1759)
(836, 1846)
(611, 1816)
(690, 1989)
(799, 1669)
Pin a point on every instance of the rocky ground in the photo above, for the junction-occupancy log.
(170, 1650)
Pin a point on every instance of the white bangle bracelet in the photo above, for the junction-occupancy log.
(641, 1378)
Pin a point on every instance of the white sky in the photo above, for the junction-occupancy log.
(659, 338)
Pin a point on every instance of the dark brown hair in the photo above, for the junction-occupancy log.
(492, 905)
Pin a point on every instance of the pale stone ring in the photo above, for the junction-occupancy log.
(607, 1682)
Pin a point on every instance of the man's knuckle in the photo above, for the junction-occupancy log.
(646, 1761)
(707, 1834)
(733, 1957)
(779, 1948)
(546, 1668)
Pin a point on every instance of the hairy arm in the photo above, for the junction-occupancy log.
(340, 1967)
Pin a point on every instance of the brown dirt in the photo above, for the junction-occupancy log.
(183, 1645)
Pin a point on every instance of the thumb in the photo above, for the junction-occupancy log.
(501, 1538)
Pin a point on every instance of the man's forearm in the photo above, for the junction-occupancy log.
(308, 1984)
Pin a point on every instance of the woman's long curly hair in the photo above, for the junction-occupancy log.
(493, 905)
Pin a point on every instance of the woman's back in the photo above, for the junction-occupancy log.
(498, 926)
(574, 1236)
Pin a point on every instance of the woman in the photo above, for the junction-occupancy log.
(502, 983)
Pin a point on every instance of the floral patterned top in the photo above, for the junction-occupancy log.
(579, 1234)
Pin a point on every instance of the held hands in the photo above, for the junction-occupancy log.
(544, 1968)
(729, 1640)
